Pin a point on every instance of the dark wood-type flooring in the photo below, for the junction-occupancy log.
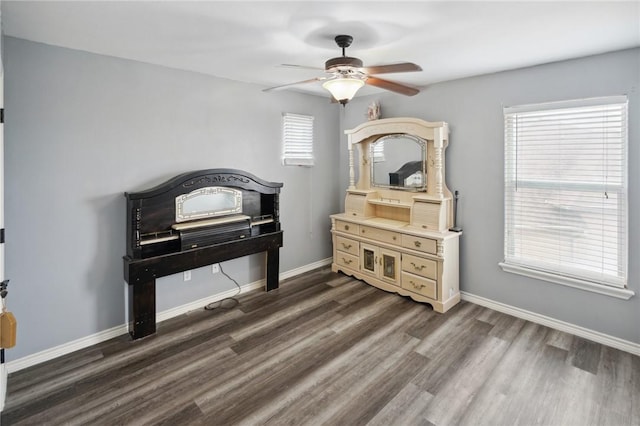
(328, 349)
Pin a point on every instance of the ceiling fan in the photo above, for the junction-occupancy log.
(345, 75)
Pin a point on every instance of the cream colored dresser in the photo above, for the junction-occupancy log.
(394, 233)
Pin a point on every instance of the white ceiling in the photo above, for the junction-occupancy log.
(248, 41)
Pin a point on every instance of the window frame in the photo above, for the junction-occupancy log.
(527, 266)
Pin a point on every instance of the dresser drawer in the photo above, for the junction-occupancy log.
(346, 259)
(380, 235)
(426, 245)
(347, 245)
(420, 285)
(349, 228)
(417, 265)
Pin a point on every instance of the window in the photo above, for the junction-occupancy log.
(297, 137)
(566, 192)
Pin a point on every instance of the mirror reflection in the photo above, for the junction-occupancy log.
(398, 161)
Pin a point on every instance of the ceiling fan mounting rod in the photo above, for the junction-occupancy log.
(343, 41)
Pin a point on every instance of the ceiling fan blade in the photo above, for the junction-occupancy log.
(386, 69)
(302, 67)
(311, 80)
(394, 87)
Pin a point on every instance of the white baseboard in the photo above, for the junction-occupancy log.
(595, 336)
(49, 354)
(65, 348)
(306, 268)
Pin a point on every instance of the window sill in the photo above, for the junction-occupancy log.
(620, 293)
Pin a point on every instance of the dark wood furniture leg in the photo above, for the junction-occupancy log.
(142, 311)
(273, 264)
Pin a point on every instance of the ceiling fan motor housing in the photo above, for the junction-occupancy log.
(342, 61)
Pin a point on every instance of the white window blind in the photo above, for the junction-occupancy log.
(566, 189)
(297, 136)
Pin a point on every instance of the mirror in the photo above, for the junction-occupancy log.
(207, 202)
(399, 161)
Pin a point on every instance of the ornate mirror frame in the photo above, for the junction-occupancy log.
(434, 133)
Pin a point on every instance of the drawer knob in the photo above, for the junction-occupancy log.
(394, 238)
(417, 243)
(418, 268)
(346, 227)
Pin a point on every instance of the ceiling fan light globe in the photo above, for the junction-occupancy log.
(343, 89)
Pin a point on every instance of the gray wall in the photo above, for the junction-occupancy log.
(82, 128)
(474, 166)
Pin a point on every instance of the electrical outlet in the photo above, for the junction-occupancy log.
(215, 268)
(187, 275)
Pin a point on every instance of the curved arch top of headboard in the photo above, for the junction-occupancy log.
(202, 178)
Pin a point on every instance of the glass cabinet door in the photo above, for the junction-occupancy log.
(369, 259)
(381, 263)
(390, 266)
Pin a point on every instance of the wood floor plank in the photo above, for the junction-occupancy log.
(453, 355)
(281, 297)
(329, 349)
(615, 376)
(289, 309)
(404, 409)
(634, 392)
(138, 403)
(134, 351)
(123, 388)
(538, 402)
(560, 339)
(189, 414)
(366, 307)
(294, 368)
(238, 373)
(585, 355)
(365, 405)
(266, 334)
(323, 391)
(454, 395)
(507, 327)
